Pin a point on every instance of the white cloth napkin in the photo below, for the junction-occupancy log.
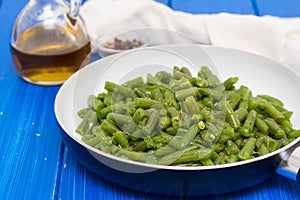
(269, 36)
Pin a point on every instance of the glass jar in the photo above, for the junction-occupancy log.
(49, 41)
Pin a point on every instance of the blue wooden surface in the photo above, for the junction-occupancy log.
(282, 8)
(213, 6)
(35, 164)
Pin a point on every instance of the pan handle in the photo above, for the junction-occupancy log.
(289, 165)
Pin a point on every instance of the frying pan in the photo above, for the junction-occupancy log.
(263, 76)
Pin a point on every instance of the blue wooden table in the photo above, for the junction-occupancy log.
(34, 162)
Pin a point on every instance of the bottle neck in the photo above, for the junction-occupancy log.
(74, 8)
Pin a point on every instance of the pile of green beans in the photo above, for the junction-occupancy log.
(177, 119)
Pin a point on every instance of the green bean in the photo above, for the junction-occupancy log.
(206, 73)
(270, 143)
(220, 159)
(120, 108)
(294, 134)
(93, 141)
(201, 83)
(164, 122)
(207, 101)
(149, 142)
(140, 93)
(87, 123)
(95, 103)
(216, 94)
(180, 84)
(184, 93)
(140, 146)
(286, 126)
(87, 137)
(186, 139)
(99, 132)
(245, 132)
(108, 99)
(101, 96)
(245, 94)
(138, 133)
(170, 158)
(154, 81)
(271, 99)
(179, 74)
(219, 147)
(275, 129)
(281, 142)
(139, 115)
(175, 117)
(250, 120)
(247, 150)
(233, 99)
(241, 114)
(121, 119)
(81, 113)
(149, 128)
(226, 134)
(231, 116)
(134, 83)
(273, 112)
(171, 130)
(132, 155)
(164, 77)
(118, 89)
(144, 103)
(192, 105)
(206, 113)
(286, 113)
(232, 158)
(194, 156)
(231, 148)
(101, 114)
(207, 162)
(169, 96)
(162, 139)
(261, 125)
(121, 139)
(229, 83)
(157, 95)
(109, 127)
(262, 150)
(186, 71)
(166, 150)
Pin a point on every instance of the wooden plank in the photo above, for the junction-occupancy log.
(282, 8)
(29, 138)
(30, 141)
(213, 6)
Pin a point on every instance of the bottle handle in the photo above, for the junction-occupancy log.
(73, 12)
(289, 165)
(74, 8)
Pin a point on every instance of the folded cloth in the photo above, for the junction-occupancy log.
(273, 37)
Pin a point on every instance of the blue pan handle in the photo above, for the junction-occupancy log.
(289, 165)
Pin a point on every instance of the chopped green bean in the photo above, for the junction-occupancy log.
(248, 149)
(177, 119)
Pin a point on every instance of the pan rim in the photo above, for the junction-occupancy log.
(165, 167)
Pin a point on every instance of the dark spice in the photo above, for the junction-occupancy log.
(119, 44)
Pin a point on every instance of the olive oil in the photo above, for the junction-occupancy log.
(47, 56)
